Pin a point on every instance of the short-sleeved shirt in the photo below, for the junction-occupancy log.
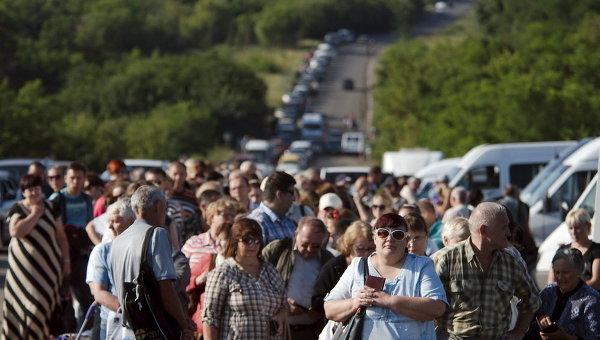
(417, 278)
(590, 255)
(98, 271)
(241, 305)
(196, 246)
(273, 227)
(126, 255)
(480, 300)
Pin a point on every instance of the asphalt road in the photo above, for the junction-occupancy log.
(359, 63)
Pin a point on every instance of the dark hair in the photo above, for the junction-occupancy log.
(391, 220)
(411, 208)
(78, 167)
(241, 228)
(30, 181)
(278, 180)
(426, 205)
(94, 180)
(132, 187)
(571, 255)
(474, 196)
(214, 176)
(38, 164)
(375, 170)
(209, 195)
(415, 222)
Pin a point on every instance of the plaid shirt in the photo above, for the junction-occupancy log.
(273, 226)
(480, 300)
(240, 305)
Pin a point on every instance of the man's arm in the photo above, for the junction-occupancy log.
(104, 297)
(171, 303)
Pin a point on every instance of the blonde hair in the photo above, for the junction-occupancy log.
(456, 229)
(385, 197)
(356, 230)
(219, 206)
(578, 217)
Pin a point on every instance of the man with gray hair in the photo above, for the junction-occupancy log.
(480, 278)
(299, 262)
(149, 206)
(458, 203)
(99, 273)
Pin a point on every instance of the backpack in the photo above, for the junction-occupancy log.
(143, 310)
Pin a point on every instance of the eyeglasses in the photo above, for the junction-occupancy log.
(249, 240)
(363, 249)
(397, 235)
(380, 207)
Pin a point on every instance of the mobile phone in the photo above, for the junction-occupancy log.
(375, 282)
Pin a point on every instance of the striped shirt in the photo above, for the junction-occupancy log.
(480, 299)
(273, 226)
(196, 246)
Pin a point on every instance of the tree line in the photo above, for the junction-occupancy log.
(529, 74)
(93, 80)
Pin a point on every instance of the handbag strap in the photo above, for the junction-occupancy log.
(145, 246)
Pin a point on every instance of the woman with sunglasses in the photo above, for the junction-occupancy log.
(245, 296)
(380, 205)
(405, 296)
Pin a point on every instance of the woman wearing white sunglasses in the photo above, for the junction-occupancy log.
(403, 295)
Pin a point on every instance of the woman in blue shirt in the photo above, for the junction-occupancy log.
(412, 295)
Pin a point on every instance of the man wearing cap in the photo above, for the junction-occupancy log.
(330, 208)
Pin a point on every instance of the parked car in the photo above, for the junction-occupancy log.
(314, 128)
(287, 111)
(8, 196)
(332, 38)
(334, 141)
(304, 149)
(290, 163)
(17, 167)
(260, 149)
(346, 35)
(353, 172)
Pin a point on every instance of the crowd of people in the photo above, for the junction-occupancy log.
(233, 255)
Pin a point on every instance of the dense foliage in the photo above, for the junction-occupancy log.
(531, 74)
(92, 80)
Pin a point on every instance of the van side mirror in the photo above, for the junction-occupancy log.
(564, 210)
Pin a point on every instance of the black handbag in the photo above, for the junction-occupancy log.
(143, 310)
(352, 328)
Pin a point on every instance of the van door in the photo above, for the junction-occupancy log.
(485, 177)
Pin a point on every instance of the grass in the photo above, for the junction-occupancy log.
(275, 65)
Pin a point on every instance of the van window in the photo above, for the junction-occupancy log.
(522, 174)
(589, 201)
(485, 177)
(570, 190)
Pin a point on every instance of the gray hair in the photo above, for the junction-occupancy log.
(122, 207)
(145, 197)
(486, 214)
(578, 217)
(459, 194)
(571, 255)
(456, 229)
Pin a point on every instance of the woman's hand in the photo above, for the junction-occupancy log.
(381, 299)
(37, 209)
(279, 319)
(364, 298)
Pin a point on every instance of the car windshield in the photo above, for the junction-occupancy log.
(532, 196)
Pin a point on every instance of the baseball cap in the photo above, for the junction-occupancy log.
(330, 200)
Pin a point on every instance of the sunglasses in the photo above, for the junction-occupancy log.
(249, 240)
(397, 235)
(380, 207)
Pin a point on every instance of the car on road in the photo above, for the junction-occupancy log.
(353, 172)
(260, 149)
(290, 163)
(304, 149)
(346, 35)
(334, 141)
(314, 128)
(332, 38)
(353, 142)
(287, 111)
(286, 129)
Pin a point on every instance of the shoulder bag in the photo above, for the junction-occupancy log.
(352, 328)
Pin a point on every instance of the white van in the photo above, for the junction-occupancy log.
(407, 162)
(561, 236)
(490, 167)
(560, 187)
(353, 142)
(447, 167)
